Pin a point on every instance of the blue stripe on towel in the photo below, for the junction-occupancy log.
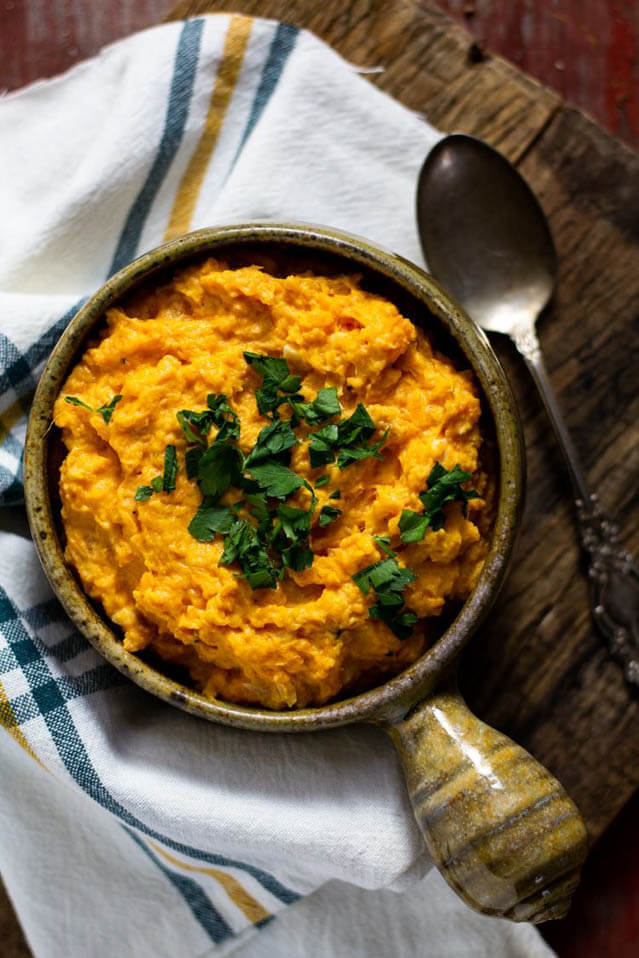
(279, 52)
(201, 906)
(50, 699)
(186, 58)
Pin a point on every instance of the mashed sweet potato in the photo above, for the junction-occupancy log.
(311, 637)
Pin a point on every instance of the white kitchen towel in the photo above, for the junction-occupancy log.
(135, 827)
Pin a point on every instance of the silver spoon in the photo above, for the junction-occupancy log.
(485, 237)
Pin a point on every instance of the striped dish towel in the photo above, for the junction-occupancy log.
(129, 827)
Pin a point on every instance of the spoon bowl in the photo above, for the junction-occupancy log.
(484, 235)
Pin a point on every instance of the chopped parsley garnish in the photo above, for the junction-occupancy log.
(276, 480)
(290, 537)
(244, 545)
(384, 544)
(273, 442)
(413, 526)
(74, 401)
(219, 468)
(260, 531)
(442, 486)
(223, 417)
(211, 518)
(389, 580)
(106, 411)
(325, 405)
(279, 385)
(322, 446)
(346, 440)
(197, 425)
(170, 469)
(328, 514)
(158, 484)
(346, 457)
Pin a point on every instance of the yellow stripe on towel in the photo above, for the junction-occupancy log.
(225, 81)
(10, 722)
(236, 892)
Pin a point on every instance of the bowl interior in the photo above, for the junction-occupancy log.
(282, 249)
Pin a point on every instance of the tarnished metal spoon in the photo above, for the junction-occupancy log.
(485, 237)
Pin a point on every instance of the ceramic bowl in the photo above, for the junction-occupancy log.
(501, 829)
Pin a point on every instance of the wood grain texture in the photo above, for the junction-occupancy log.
(14, 944)
(536, 670)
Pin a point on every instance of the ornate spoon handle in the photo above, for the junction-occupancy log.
(614, 578)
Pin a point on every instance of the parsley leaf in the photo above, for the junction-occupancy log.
(347, 440)
(195, 425)
(74, 401)
(242, 543)
(335, 495)
(224, 417)
(192, 458)
(357, 428)
(389, 580)
(322, 481)
(413, 526)
(107, 410)
(219, 468)
(402, 625)
(383, 542)
(276, 378)
(443, 486)
(170, 469)
(291, 537)
(273, 442)
(210, 519)
(143, 493)
(325, 405)
(276, 480)
(258, 505)
(348, 456)
(321, 446)
(328, 514)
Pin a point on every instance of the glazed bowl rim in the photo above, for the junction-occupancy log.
(393, 698)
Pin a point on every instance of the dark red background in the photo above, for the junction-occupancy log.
(586, 50)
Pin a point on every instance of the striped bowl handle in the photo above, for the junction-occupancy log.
(502, 831)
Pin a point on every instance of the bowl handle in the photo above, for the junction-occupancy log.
(502, 831)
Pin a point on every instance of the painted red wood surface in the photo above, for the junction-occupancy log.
(588, 51)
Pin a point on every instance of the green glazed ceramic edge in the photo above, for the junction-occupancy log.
(393, 699)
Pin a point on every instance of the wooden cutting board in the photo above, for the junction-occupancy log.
(537, 670)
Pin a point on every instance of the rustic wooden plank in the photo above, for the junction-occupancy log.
(573, 707)
(537, 669)
(14, 944)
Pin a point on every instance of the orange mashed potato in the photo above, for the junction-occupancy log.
(310, 638)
